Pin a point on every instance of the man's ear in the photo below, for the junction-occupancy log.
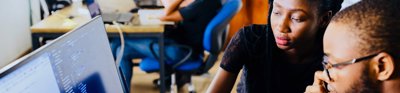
(383, 66)
(326, 18)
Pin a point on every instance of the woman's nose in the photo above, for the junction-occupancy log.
(283, 25)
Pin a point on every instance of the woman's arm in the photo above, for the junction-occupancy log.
(171, 5)
(171, 10)
(232, 62)
(222, 82)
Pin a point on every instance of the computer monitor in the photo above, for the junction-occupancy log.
(94, 8)
(79, 61)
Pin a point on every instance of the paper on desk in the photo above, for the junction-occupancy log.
(69, 23)
(152, 17)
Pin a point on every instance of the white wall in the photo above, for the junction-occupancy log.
(35, 11)
(347, 3)
(15, 36)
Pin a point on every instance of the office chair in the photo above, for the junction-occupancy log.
(213, 40)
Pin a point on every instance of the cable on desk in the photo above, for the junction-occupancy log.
(121, 36)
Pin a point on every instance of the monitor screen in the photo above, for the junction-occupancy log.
(93, 7)
(77, 62)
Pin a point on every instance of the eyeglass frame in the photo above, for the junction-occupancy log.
(328, 65)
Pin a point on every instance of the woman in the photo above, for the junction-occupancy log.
(280, 57)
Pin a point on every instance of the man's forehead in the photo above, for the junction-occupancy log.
(339, 42)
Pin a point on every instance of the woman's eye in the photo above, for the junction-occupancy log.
(296, 19)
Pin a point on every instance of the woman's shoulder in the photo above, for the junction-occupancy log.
(246, 45)
(251, 39)
(254, 30)
(251, 34)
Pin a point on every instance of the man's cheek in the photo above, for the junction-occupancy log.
(344, 79)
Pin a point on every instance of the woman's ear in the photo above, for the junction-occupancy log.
(383, 66)
(326, 18)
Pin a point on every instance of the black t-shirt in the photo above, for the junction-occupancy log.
(254, 49)
(196, 17)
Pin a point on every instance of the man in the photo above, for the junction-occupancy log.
(362, 48)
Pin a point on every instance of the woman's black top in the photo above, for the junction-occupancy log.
(254, 49)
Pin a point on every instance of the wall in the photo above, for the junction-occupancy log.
(347, 3)
(15, 36)
(252, 12)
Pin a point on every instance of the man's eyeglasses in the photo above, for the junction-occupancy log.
(328, 65)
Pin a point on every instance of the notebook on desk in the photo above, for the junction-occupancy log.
(152, 17)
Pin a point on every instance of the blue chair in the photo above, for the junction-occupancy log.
(214, 38)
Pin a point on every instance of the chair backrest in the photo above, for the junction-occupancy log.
(215, 34)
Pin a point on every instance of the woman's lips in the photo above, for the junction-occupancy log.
(284, 41)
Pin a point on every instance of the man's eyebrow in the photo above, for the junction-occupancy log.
(326, 54)
(330, 56)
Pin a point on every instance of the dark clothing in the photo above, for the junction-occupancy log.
(190, 32)
(196, 17)
(254, 49)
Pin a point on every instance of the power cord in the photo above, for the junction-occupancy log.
(121, 52)
(121, 36)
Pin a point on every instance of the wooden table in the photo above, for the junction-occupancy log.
(61, 22)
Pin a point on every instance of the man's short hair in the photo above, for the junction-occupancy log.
(375, 23)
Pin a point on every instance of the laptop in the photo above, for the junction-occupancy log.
(79, 61)
(109, 17)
